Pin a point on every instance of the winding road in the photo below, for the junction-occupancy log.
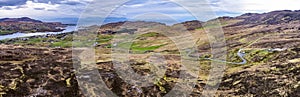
(239, 53)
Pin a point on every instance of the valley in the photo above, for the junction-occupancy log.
(262, 58)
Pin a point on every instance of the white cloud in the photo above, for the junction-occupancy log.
(100, 8)
(255, 6)
(146, 3)
(27, 10)
(130, 9)
(174, 10)
(44, 10)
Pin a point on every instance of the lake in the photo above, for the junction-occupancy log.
(19, 34)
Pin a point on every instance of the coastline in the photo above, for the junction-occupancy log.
(67, 29)
(13, 32)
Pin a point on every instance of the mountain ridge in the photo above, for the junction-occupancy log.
(22, 19)
(28, 25)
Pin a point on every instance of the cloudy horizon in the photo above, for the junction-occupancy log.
(62, 9)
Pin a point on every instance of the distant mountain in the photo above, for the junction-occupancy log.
(85, 21)
(270, 18)
(113, 28)
(96, 20)
(62, 20)
(283, 20)
(28, 25)
(22, 19)
(191, 25)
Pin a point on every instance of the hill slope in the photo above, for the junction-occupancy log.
(271, 42)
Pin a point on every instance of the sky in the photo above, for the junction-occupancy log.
(156, 10)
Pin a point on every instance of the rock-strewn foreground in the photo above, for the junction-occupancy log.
(26, 71)
(279, 77)
(36, 72)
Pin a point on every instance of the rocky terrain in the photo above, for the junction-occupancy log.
(277, 77)
(27, 71)
(270, 41)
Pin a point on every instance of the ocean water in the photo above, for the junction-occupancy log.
(19, 34)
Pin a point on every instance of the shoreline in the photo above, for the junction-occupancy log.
(68, 29)
(32, 32)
